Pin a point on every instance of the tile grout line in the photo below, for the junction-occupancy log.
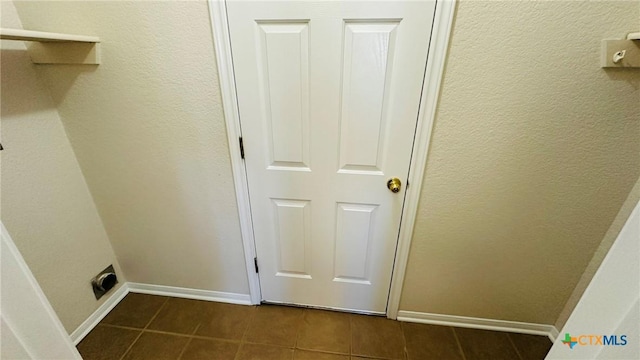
(191, 337)
(370, 357)
(244, 333)
(404, 340)
(156, 314)
(196, 329)
(455, 335)
(160, 332)
(131, 346)
(353, 316)
(295, 343)
(311, 350)
(142, 330)
(246, 329)
(184, 349)
(301, 326)
(210, 338)
(514, 346)
(350, 336)
(243, 338)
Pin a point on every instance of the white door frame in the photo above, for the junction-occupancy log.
(30, 326)
(442, 25)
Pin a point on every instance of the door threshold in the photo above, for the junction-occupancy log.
(305, 306)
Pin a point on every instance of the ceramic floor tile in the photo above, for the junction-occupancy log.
(430, 342)
(135, 310)
(325, 331)
(531, 347)
(274, 325)
(485, 344)
(271, 332)
(179, 316)
(226, 321)
(376, 337)
(157, 347)
(210, 349)
(263, 352)
(312, 355)
(118, 340)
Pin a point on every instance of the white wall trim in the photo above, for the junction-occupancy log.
(85, 328)
(187, 293)
(222, 44)
(442, 25)
(479, 323)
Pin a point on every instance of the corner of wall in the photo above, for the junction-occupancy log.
(45, 199)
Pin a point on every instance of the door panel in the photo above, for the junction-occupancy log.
(284, 65)
(354, 235)
(328, 94)
(368, 47)
(293, 237)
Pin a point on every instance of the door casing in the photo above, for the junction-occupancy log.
(440, 34)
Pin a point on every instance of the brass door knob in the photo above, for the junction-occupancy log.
(394, 184)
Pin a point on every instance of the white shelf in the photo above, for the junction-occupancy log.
(56, 48)
(634, 36)
(41, 36)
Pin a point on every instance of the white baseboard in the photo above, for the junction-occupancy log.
(479, 323)
(81, 331)
(196, 294)
(78, 334)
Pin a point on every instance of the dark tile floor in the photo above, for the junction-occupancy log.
(156, 327)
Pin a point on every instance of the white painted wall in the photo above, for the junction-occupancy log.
(148, 130)
(44, 199)
(610, 305)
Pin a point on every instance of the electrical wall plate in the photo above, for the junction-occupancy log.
(104, 281)
(620, 54)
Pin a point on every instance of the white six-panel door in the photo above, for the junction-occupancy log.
(328, 95)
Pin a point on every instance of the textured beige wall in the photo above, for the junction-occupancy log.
(534, 150)
(46, 205)
(148, 130)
